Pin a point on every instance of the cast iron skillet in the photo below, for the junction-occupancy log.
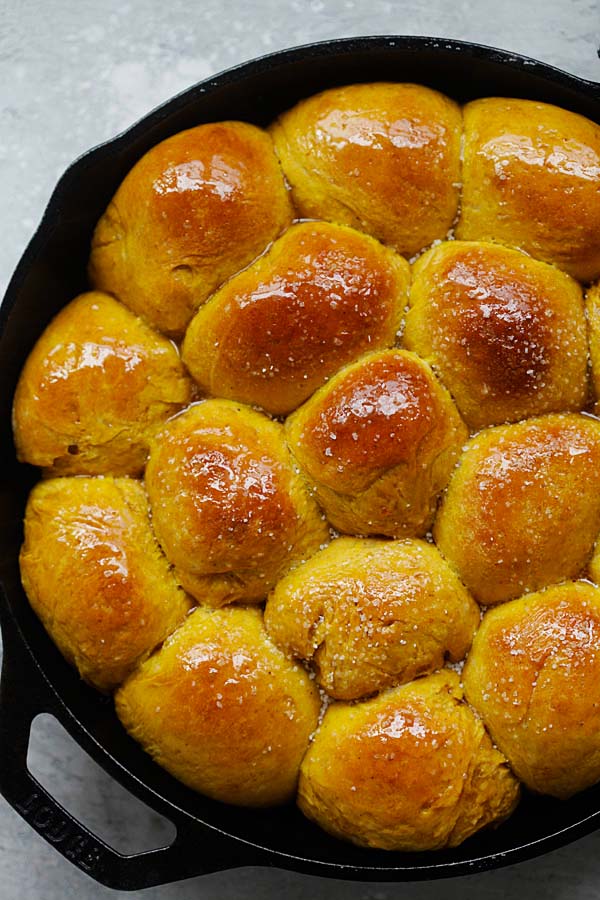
(35, 678)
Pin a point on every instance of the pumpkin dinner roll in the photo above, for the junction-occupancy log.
(222, 709)
(411, 769)
(321, 296)
(384, 158)
(378, 443)
(95, 575)
(522, 510)
(194, 210)
(506, 333)
(533, 674)
(94, 389)
(231, 513)
(592, 306)
(531, 179)
(593, 569)
(369, 614)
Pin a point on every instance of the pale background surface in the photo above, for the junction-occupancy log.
(72, 74)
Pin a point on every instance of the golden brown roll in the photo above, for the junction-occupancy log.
(231, 513)
(506, 333)
(533, 674)
(321, 296)
(593, 569)
(194, 210)
(411, 769)
(384, 158)
(592, 307)
(96, 385)
(222, 709)
(522, 510)
(369, 614)
(94, 574)
(531, 178)
(379, 442)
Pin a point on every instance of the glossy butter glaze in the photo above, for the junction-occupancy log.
(533, 674)
(506, 333)
(96, 577)
(319, 298)
(381, 157)
(522, 510)
(96, 386)
(521, 160)
(227, 506)
(410, 769)
(193, 211)
(222, 709)
(379, 442)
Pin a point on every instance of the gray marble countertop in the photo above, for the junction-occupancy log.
(72, 74)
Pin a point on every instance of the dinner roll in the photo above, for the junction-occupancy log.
(592, 304)
(533, 675)
(384, 158)
(378, 443)
(522, 510)
(505, 333)
(95, 387)
(410, 769)
(194, 210)
(593, 569)
(94, 574)
(231, 513)
(222, 709)
(369, 614)
(319, 298)
(531, 179)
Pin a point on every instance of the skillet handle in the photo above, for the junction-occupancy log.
(195, 850)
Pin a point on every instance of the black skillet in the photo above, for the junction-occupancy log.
(35, 678)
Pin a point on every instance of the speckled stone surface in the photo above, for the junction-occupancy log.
(72, 74)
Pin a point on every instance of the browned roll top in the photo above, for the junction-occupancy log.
(227, 506)
(378, 443)
(319, 298)
(384, 158)
(531, 177)
(194, 210)
(506, 333)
